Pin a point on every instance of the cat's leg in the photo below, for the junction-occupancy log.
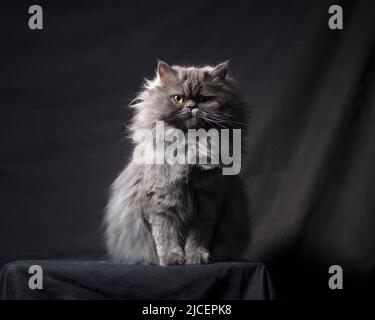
(199, 235)
(196, 248)
(167, 240)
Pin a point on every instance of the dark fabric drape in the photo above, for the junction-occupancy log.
(311, 147)
(102, 280)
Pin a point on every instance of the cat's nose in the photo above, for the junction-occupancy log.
(191, 105)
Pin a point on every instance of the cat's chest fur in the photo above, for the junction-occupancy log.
(177, 189)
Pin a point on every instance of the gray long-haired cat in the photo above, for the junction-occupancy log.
(182, 213)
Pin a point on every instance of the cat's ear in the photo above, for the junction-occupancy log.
(220, 71)
(166, 73)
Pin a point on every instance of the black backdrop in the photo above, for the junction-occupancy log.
(311, 168)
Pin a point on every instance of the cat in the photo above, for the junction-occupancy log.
(183, 213)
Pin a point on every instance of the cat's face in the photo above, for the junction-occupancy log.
(189, 97)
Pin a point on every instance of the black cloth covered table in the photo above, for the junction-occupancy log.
(104, 280)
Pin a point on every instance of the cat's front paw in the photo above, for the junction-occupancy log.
(172, 258)
(198, 256)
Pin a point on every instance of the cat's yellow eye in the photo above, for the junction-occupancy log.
(178, 99)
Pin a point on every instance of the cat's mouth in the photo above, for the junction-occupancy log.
(191, 121)
(187, 120)
(192, 115)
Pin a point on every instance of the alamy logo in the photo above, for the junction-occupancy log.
(336, 20)
(212, 148)
(36, 280)
(336, 280)
(36, 20)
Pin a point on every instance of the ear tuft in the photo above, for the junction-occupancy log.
(220, 71)
(165, 72)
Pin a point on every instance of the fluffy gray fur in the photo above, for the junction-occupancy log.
(179, 214)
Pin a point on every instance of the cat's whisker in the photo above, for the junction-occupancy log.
(211, 121)
(222, 119)
(212, 117)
